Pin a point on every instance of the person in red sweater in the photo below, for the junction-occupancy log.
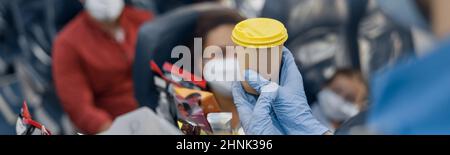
(92, 63)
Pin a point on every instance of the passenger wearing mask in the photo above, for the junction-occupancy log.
(212, 26)
(215, 29)
(92, 59)
(343, 96)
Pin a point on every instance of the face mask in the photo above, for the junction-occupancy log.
(104, 10)
(220, 73)
(335, 107)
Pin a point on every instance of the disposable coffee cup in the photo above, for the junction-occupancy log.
(259, 45)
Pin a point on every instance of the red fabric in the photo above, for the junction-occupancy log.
(92, 71)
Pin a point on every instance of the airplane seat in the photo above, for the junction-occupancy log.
(155, 43)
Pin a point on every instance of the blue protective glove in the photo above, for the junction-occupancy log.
(288, 100)
(255, 113)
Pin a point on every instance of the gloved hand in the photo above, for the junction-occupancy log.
(256, 114)
(288, 100)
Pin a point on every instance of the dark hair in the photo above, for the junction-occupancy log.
(347, 72)
(210, 20)
(214, 18)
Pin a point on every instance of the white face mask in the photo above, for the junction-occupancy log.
(104, 10)
(335, 107)
(220, 73)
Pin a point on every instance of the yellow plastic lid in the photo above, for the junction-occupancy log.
(259, 33)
